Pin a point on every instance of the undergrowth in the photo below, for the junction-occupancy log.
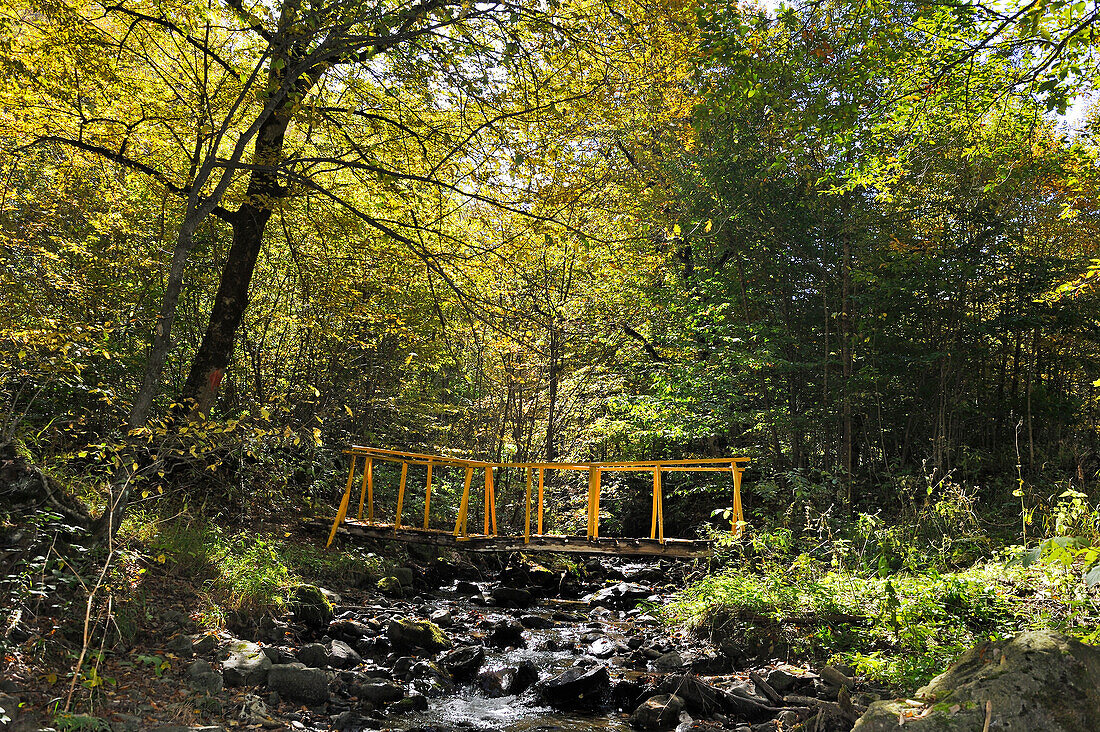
(247, 573)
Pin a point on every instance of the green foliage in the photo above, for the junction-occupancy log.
(81, 723)
(248, 573)
(902, 629)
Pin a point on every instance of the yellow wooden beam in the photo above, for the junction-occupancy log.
(343, 510)
(527, 522)
(542, 476)
(738, 511)
(428, 496)
(656, 502)
(464, 505)
(401, 496)
(363, 489)
(370, 490)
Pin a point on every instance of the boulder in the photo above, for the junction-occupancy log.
(526, 676)
(412, 703)
(350, 631)
(203, 644)
(247, 665)
(657, 712)
(341, 655)
(463, 663)
(1039, 681)
(464, 587)
(391, 587)
(379, 693)
(405, 575)
(314, 655)
(576, 687)
(494, 683)
(442, 618)
(621, 596)
(671, 661)
(508, 681)
(311, 606)
(507, 633)
(407, 633)
(298, 683)
(536, 622)
(602, 648)
(511, 597)
(209, 683)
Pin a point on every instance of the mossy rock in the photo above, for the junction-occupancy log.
(311, 606)
(391, 587)
(407, 633)
(1039, 681)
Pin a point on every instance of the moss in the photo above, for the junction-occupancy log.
(409, 633)
(391, 587)
(311, 606)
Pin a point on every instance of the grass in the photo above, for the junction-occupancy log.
(245, 572)
(900, 629)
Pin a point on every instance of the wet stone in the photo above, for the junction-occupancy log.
(379, 693)
(412, 703)
(424, 634)
(536, 622)
(463, 663)
(657, 712)
(577, 687)
(511, 597)
(602, 648)
(507, 633)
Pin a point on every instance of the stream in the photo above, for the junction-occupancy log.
(520, 650)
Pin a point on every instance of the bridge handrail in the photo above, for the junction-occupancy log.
(595, 471)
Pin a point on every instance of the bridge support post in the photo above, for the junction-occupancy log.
(343, 510)
(370, 490)
(738, 512)
(363, 488)
(542, 476)
(400, 496)
(593, 503)
(527, 523)
(460, 524)
(428, 496)
(490, 503)
(658, 521)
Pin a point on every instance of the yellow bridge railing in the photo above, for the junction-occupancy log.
(535, 471)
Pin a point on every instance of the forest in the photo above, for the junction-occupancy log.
(853, 241)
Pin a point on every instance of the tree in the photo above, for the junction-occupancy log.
(414, 102)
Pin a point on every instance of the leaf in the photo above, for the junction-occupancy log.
(1092, 577)
(1030, 557)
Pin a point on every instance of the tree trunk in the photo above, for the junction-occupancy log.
(552, 396)
(845, 336)
(216, 350)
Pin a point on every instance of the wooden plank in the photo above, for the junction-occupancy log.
(547, 543)
(423, 459)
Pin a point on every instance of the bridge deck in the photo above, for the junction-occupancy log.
(679, 548)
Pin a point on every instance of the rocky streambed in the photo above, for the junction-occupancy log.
(446, 647)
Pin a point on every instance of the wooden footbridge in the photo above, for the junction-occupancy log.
(364, 459)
